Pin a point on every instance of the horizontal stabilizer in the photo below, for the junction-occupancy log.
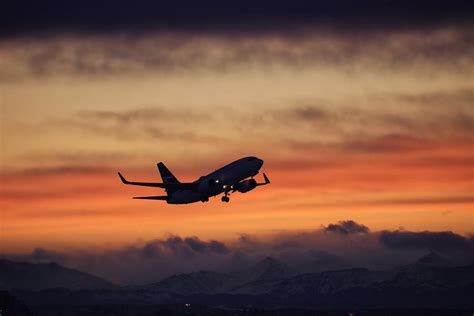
(164, 198)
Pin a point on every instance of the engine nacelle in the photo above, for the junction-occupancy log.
(246, 185)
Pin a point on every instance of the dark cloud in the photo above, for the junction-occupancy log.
(109, 16)
(448, 49)
(438, 241)
(218, 247)
(347, 228)
(189, 246)
(195, 245)
(309, 113)
(151, 250)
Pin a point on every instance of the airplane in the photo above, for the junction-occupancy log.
(228, 179)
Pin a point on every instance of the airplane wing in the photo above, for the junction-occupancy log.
(164, 198)
(175, 186)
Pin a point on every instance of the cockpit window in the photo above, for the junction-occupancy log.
(251, 159)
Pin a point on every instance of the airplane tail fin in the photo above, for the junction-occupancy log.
(166, 175)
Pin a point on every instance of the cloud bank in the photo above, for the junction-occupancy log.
(447, 242)
(340, 245)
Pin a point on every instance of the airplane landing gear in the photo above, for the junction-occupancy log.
(225, 198)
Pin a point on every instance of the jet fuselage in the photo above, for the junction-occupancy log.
(218, 181)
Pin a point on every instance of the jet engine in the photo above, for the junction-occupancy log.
(246, 185)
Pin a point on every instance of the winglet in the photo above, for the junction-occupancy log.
(122, 178)
(267, 181)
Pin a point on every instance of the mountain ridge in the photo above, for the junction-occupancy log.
(40, 276)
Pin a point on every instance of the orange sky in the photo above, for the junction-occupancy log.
(346, 131)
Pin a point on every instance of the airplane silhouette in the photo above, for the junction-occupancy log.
(228, 179)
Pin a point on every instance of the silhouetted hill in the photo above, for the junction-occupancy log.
(429, 287)
(315, 283)
(327, 282)
(204, 282)
(29, 276)
(208, 282)
(267, 269)
(427, 276)
(433, 259)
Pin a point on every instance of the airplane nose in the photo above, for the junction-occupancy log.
(259, 163)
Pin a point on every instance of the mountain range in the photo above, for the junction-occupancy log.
(431, 282)
(23, 275)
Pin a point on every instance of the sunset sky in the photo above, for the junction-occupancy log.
(358, 114)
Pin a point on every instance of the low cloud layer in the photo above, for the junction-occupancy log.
(335, 246)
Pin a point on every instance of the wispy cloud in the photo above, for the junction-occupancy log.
(450, 49)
